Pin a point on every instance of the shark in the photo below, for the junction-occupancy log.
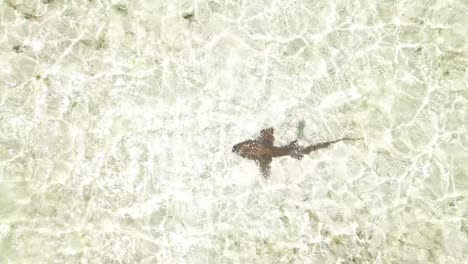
(262, 150)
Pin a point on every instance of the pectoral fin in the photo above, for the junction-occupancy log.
(267, 136)
(265, 166)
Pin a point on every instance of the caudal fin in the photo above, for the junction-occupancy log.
(318, 146)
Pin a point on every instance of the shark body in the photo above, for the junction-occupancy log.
(262, 150)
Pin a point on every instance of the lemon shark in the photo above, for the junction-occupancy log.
(262, 150)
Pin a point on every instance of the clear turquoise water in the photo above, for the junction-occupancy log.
(117, 120)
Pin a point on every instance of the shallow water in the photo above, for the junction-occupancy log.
(117, 120)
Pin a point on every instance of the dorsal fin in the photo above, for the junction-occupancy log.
(267, 136)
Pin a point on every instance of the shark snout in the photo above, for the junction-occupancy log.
(236, 148)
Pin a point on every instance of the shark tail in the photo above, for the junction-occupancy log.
(311, 148)
(296, 151)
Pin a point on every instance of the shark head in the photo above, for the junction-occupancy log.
(243, 148)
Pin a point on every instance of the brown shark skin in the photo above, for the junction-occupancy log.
(263, 151)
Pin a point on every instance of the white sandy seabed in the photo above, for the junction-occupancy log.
(117, 120)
